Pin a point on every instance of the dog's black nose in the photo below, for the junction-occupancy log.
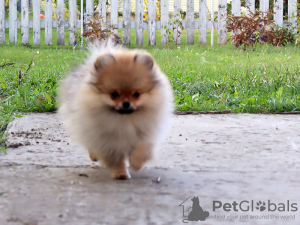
(126, 105)
(126, 108)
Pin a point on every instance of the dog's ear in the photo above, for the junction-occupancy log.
(144, 59)
(103, 61)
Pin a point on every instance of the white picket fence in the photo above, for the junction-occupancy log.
(190, 24)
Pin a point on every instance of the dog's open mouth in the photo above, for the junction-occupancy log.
(125, 111)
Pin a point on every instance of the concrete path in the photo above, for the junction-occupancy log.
(231, 162)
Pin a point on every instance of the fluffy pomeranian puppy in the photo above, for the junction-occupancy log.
(118, 106)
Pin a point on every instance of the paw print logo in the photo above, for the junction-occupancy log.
(261, 206)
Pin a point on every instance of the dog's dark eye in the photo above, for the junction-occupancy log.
(136, 94)
(115, 95)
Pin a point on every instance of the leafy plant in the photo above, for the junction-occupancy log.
(97, 30)
(280, 36)
(257, 27)
(4, 120)
(176, 23)
(297, 27)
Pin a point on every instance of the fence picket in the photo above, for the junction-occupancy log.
(164, 24)
(2, 22)
(292, 14)
(89, 13)
(89, 7)
(202, 21)
(251, 4)
(102, 11)
(139, 22)
(72, 22)
(264, 5)
(189, 22)
(60, 22)
(222, 31)
(164, 21)
(48, 22)
(114, 15)
(25, 21)
(151, 22)
(212, 23)
(13, 21)
(126, 22)
(278, 10)
(236, 9)
(177, 17)
(36, 22)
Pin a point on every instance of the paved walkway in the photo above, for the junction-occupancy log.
(236, 159)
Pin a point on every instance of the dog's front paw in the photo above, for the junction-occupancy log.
(121, 176)
(119, 171)
(93, 158)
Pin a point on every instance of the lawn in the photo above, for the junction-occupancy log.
(220, 78)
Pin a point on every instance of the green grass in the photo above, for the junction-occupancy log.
(204, 78)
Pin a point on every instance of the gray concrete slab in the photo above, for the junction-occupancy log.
(47, 179)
